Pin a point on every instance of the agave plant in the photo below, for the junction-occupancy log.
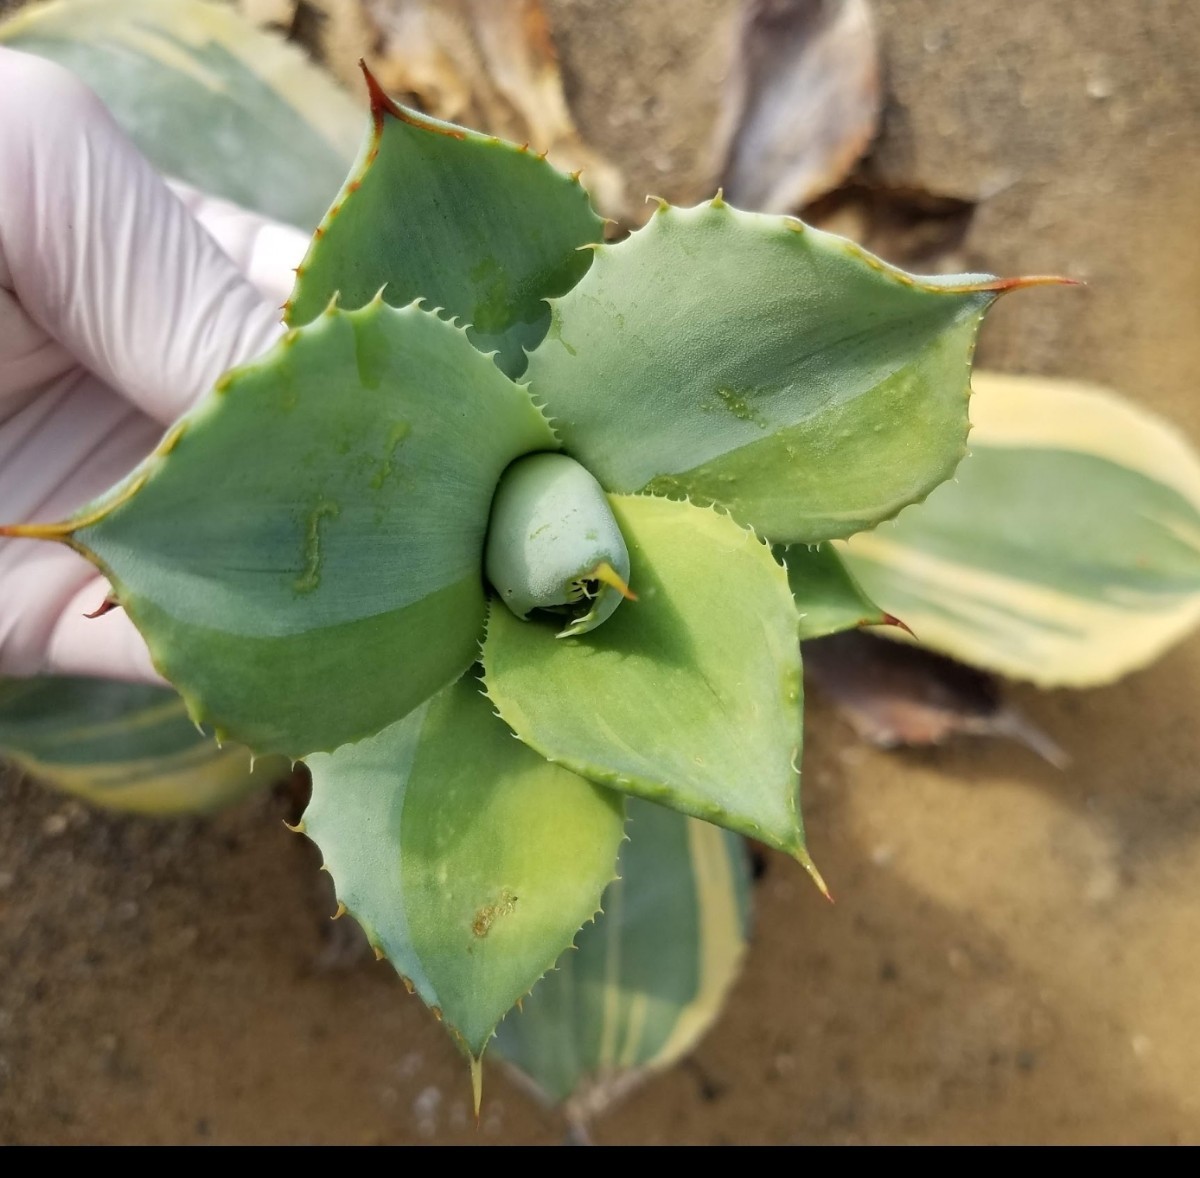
(485, 429)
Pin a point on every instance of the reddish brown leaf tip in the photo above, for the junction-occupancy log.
(1004, 285)
(105, 607)
(1029, 280)
(381, 104)
(892, 620)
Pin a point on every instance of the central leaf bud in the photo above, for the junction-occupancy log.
(554, 545)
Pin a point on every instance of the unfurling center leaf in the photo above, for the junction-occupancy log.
(554, 545)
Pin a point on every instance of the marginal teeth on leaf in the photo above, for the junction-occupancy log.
(533, 848)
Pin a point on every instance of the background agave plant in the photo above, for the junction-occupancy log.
(827, 566)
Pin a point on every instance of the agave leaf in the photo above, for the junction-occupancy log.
(649, 977)
(327, 582)
(828, 598)
(750, 361)
(690, 696)
(206, 96)
(469, 861)
(1067, 551)
(123, 746)
(480, 228)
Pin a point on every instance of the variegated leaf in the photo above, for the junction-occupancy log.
(123, 746)
(206, 96)
(649, 977)
(1067, 551)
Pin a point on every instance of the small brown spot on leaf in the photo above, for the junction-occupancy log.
(490, 913)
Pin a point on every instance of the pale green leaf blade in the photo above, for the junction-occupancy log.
(753, 362)
(123, 746)
(303, 552)
(1067, 551)
(478, 227)
(649, 977)
(690, 696)
(207, 97)
(828, 598)
(470, 862)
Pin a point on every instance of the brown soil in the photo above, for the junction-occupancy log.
(1012, 957)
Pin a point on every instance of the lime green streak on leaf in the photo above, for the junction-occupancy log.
(311, 577)
(387, 468)
(690, 696)
(739, 405)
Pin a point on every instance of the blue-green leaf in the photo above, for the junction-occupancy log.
(469, 860)
(302, 553)
(828, 598)
(778, 371)
(477, 227)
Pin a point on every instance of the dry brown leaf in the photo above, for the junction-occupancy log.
(491, 66)
(803, 101)
(896, 694)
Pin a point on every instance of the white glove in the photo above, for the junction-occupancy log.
(121, 302)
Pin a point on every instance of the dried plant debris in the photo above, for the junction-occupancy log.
(487, 65)
(803, 101)
(895, 694)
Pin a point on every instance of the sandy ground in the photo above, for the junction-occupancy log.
(1013, 953)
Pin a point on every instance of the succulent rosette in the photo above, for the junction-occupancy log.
(406, 535)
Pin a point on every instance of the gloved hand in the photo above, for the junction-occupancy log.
(122, 300)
